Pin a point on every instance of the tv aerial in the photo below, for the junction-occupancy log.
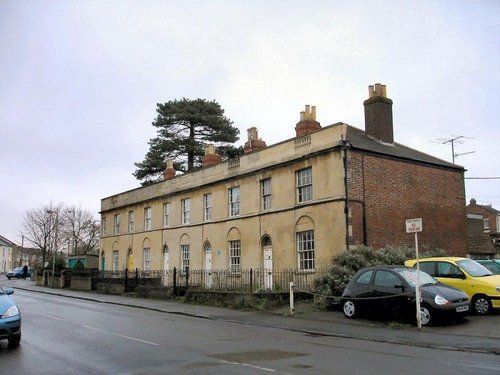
(455, 139)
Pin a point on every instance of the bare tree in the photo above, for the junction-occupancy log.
(40, 226)
(50, 226)
(81, 231)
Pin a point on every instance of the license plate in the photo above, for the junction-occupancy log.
(462, 308)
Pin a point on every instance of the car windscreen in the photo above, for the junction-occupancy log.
(473, 268)
(410, 275)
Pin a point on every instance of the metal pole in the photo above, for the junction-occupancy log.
(292, 307)
(417, 287)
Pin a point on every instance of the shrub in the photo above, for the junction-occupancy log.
(345, 265)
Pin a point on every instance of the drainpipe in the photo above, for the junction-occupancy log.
(345, 147)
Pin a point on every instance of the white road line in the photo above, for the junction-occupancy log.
(123, 336)
(49, 316)
(249, 365)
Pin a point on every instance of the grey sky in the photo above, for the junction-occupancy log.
(79, 82)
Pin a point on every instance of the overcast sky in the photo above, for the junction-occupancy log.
(80, 80)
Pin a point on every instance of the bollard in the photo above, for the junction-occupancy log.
(292, 309)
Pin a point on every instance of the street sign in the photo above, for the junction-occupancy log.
(414, 225)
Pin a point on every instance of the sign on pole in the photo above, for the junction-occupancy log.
(415, 226)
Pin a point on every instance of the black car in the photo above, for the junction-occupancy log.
(390, 290)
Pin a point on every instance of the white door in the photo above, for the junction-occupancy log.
(268, 267)
(208, 267)
(166, 267)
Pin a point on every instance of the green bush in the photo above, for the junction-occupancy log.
(345, 265)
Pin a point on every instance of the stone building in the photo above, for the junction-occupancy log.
(294, 204)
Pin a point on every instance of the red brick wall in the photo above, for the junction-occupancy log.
(394, 190)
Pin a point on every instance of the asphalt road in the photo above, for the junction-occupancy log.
(73, 336)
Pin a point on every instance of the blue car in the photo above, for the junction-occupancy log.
(10, 318)
(18, 273)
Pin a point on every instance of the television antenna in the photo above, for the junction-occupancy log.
(455, 139)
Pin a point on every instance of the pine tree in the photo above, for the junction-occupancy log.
(183, 128)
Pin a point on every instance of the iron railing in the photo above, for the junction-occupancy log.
(243, 281)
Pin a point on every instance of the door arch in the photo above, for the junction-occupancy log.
(130, 259)
(267, 262)
(208, 264)
(166, 265)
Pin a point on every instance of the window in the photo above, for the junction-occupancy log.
(186, 211)
(147, 218)
(365, 278)
(486, 225)
(386, 279)
(184, 258)
(115, 259)
(234, 201)
(304, 185)
(116, 228)
(235, 255)
(448, 270)
(103, 226)
(131, 219)
(207, 207)
(147, 259)
(305, 250)
(166, 214)
(427, 267)
(265, 194)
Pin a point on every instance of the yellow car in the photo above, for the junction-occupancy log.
(482, 287)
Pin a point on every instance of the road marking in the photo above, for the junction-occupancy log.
(123, 336)
(249, 365)
(49, 316)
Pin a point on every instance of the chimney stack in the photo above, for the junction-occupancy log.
(169, 171)
(254, 142)
(307, 123)
(211, 156)
(378, 114)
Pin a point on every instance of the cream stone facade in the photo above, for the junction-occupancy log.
(292, 205)
(266, 236)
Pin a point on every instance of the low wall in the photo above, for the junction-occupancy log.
(110, 288)
(158, 292)
(81, 283)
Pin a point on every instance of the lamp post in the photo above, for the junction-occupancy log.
(51, 212)
(73, 234)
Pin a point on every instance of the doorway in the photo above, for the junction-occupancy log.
(267, 251)
(208, 266)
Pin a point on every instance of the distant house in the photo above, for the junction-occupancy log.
(483, 230)
(6, 247)
(291, 205)
(29, 256)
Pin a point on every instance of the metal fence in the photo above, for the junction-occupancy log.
(242, 281)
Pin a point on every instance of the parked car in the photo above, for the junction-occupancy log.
(482, 287)
(391, 290)
(18, 273)
(10, 318)
(490, 264)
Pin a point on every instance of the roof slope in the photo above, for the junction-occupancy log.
(360, 140)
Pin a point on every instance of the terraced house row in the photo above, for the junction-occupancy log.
(291, 205)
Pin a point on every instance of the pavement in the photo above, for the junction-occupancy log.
(479, 334)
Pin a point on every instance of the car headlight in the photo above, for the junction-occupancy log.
(440, 300)
(498, 288)
(12, 311)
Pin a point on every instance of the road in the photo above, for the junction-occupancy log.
(72, 336)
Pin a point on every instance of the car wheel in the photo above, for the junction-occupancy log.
(14, 340)
(426, 315)
(350, 309)
(8, 277)
(481, 305)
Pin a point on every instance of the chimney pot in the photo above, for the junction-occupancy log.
(307, 123)
(378, 114)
